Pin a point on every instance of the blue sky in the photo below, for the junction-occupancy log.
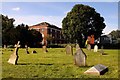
(32, 13)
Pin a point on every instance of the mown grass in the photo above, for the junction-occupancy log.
(56, 64)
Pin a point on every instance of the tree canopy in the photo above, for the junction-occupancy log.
(11, 34)
(115, 35)
(81, 22)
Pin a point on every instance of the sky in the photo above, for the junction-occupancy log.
(32, 13)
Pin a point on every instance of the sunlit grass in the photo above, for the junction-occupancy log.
(56, 64)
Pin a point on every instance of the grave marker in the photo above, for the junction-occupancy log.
(45, 49)
(80, 57)
(14, 57)
(69, 49)
(95, 48)
(97, 70)
(26, 47)
(77, 47)
(88, 47)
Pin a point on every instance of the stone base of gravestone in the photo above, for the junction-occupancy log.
(80, 58)
(95, 48)
(45, 49)
(97, 70)
(69, 49)
(13, 59)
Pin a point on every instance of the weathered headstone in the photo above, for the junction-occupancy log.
(26, 47)
(101, 51)
(45, 49)
(97, 70)
(88, 47)
(69, 49)
(80, 58)
(14, 57)
(77, 47)
(95, 48)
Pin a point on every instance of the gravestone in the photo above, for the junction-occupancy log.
(26, 47)
(14, 57)
(69, 49)
(101, 51)
(80, 58)
(95, 48)
(45, 49)
(77, 47)
(88, 47)
(97, 70)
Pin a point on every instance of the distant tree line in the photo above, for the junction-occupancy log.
(11, 34)
(115, 35)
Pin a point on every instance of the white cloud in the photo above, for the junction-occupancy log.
(16, 9)
(32, 20)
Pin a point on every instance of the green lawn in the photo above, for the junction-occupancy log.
(56, 64)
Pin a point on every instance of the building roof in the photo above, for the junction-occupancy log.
(45, 24)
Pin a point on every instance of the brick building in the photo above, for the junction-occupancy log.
(50, 33)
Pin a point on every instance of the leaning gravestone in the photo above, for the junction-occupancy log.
(26, 47)
(88, 47)
(97, 70)
(95, 48)
(69, 49)
(14, 57)
(80, 57)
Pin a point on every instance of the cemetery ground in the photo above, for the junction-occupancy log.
(57, 64)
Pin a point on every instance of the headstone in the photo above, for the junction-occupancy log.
(80, 58)
(34, 51)
(97, 70)
(26, 47)
(45, 49)
(69, 49)
(101, 51)
(88, 47)
(14, 57)
(77, 47)
(95, 48)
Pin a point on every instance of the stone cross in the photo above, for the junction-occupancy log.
(97, 70)
(69, 49)
(80, 57)
(14, 57)
(95, 48)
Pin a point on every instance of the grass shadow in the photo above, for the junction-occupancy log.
(43, 64)
(23, 64)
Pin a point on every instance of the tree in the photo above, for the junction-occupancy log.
(7, 25)
(115, 35)
(81, 22)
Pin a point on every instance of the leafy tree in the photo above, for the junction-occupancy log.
(7, 25)
(81, 22)
(35, 38)
(115, 35)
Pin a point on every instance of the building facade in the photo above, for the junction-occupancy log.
(50, 33)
